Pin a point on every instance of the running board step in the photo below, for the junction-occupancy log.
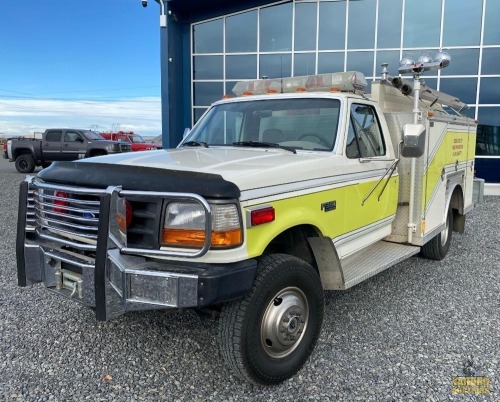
(374, 259)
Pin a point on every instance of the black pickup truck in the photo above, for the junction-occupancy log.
(59, 144)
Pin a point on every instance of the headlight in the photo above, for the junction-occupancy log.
(184, 225)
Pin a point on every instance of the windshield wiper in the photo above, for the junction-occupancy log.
(259, 144)
(195, 144)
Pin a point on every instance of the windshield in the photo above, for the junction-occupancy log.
(306, 123)
(92, 135)
(136, 139)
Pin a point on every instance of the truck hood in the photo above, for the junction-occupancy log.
(248, 168)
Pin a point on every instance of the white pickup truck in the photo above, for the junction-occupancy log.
(293, 187)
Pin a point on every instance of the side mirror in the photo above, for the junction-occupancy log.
(413, 140)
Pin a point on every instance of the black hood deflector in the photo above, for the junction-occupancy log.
(139, 178)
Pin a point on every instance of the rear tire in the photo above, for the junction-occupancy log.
(438, 246)
(25, 163)
(268, 335)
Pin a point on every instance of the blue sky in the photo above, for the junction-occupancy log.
(80, 64)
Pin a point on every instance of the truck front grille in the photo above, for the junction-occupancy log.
(67, 215)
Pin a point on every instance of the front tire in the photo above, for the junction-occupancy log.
(268, 335)
(25, 163)
(438, 246)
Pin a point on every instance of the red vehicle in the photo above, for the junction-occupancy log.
(136, 141)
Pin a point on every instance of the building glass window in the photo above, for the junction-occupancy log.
(491, 23)
(422, 23)
(388, 56)
(305, 26)
(304, 64)
(462, 22)
(207, 67)
(361, 31)
(389, 23)
(208, 37)
(241, 32)
(266, 41)
(331, 36)
(490, 91)
(463, 62)
(488, 132)
(276, 65)
(463, 88)
(360, 61)
(241, 67)
(489, 116)
(488, 140)
(276, 28)
(491, 61)
(205, 93)
(330, 62)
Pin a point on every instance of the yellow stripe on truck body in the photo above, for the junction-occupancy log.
(348, 216)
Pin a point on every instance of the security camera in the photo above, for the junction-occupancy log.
(144, 3)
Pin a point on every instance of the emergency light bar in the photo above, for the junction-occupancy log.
(350, 81)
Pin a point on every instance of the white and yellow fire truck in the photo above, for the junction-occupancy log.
(292, 187)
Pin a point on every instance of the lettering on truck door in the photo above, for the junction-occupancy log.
(371, 196)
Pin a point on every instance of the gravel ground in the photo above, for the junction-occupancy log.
(400, 336)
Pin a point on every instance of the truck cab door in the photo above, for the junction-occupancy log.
(74, 145)
(51, 145)
(372, 199)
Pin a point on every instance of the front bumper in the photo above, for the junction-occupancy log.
(113, 282)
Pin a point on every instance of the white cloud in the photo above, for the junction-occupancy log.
(24, 117)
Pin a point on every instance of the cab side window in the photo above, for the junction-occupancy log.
(364, 136)
(71, 136)
(53, 136)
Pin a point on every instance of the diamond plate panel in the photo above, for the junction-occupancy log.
(374, 259)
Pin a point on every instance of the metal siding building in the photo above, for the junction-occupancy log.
(207, 47)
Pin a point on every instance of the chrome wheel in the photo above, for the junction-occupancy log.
(284, 322)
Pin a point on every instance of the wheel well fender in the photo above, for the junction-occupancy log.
(22, 151)
(293, 241)
(456, 203)
(307, 243)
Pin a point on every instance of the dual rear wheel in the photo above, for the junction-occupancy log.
(438, 246)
